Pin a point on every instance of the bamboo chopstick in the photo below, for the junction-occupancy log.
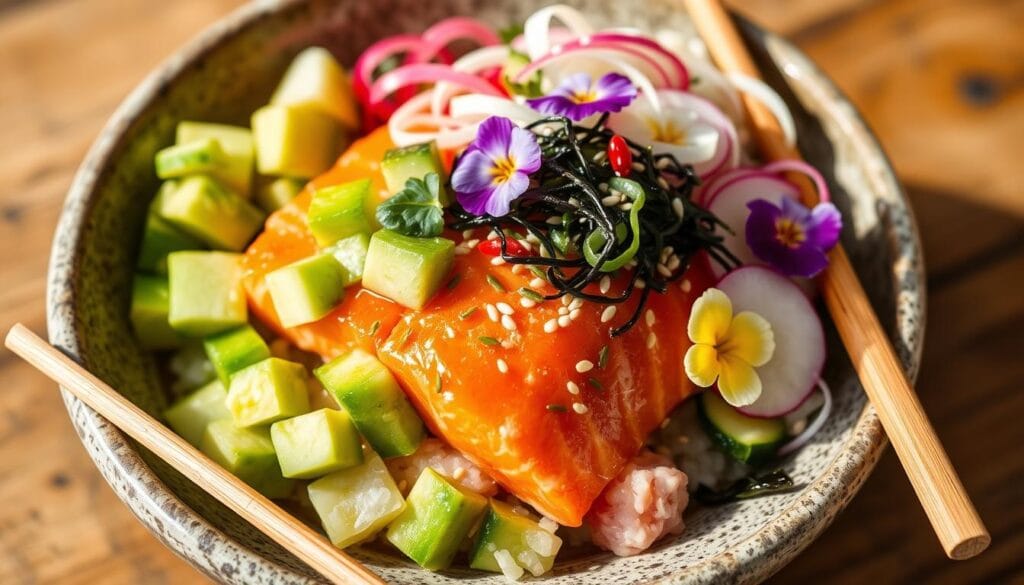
(267, 517)
(953, 517)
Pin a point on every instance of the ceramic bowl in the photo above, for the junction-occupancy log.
(230, 69)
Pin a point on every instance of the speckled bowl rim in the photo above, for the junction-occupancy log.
(176, 525)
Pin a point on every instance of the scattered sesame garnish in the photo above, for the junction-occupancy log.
(471, 243)
(575, 304)
(564, 321)
(662, 164)
(606, 283)
(602, 357)
(492, 312)
(504, 308)
(531, 294)
(447, 396)
(538, 282)
(609, 313)
(566, 299)
(665, 423)
(596, 383)
(487, 340)
(527, 303)
(467, 313)
(508, 323)
(677, 206)
(563, 310)
(497, 261)
(641, 284)
(649, 317)
(603, 187)
(461, 250)
(493, 235)
(626, 206)
(574, 202)
(580, 408)
(554, 220)
(555, 408)
(609, 201)
(663, 183)
(652, 339)
(572, 387)
(502, 366)
(575, 314)
(685, 285)
(673, 262)
(449, 332)
(458, 473)
(550, 326)
(584, 366)
(664, 271)
(466, 234)
(639, 167)
(454, 282)
(495, 283)
(405, 337)
(375, 327)
(517, 268)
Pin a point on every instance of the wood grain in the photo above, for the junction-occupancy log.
(64, 67)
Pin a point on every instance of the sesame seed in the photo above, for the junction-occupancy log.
(447, 396)
(574, 314)
(652, 339)
(673, 262)
(517, 268)
(606, 283)
(580, 408)
(626, 206)
(564, 321)
(550, 326)
(665, 423)
(537, 283)
(554, 220)
(662, 164)
(574, 202)
(615, 192)
(458, 473)
(507, 343)
(649, 317)
(609, 200)
(641, 283)
(638, 166)
(532, 238)
(663, 183)
(527, 303)
(677, 206)
(471, 243)
(492, 312)
(609, 313)
(502, 366)
(631, 264)
(584, 366)
(493, 235)
(664, 271)
(563, 310)
(508, 323)
(461, 251)
(466, 234)
(603, 187)
(448, 331)
(566, 299)
(504, 308)
(575, 304)
(685, 285)
(544, 253)
(497, 261)
(572, 387)
(599, 156)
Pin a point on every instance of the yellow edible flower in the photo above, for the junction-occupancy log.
(727, 348)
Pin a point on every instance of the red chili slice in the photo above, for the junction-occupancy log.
(620, 156)
(493, 247)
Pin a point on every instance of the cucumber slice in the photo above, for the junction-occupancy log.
(278, 193)
(237, 144)
(206, 292)
(268, 391)
(407, 270)
(190, 415)
(747, 439)
(437, 518)
(413, 162)
(367, 390)
(338, 212)
(350, 252)
(315, 444)
(203, 208)
(160, 238)
(149, 311)
(530, 546)
(314, 79)
(307, 290)
(293, 141)
(249, 455)
(234, 350)
(198, 156)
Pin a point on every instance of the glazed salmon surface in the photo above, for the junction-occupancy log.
(508, 406)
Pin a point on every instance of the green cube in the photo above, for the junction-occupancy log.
(236, 143)
(315, 444)
(528, 544)
(160, 238)
(367, 390)
(149, 312)
(407, 270)
(204, 209)
(206, 292)
(233, 350)
(339, 211)
(268, 391)
(305, 291)
(278, 193)
(190, 415)
(314, 79)
(199, 156)
(350, 252)
(295, 141)
(249, 455)
(413, 162)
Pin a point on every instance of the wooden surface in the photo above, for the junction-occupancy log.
(940, 81)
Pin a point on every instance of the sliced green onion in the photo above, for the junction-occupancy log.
(596, 240)
(467, 313)
(596, 383)
(487, 340)
(495, 283)
(555, 408)
(375, 327)
(602, 357)
(531, 294)
(454, 282)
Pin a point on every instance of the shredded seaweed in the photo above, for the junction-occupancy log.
(776, 481)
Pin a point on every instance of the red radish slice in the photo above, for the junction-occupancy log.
(792, 373)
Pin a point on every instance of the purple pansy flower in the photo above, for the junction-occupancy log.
(496, 167)
(577, 97)
(792, 238)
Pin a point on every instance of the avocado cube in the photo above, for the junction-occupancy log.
(315, 444)
(337, 212)
(294, 141)
(354, 503)
(160, 238)
(278, 193)
(237, 144)
(367, 390)
(437, 518)
(350, 252)
(198, 156)
(234, 350)
(203, 208)
(268, 391)
(413, 162)
(206, 292)
(407, 270)
(249, 455)
(532, 547)
(149, 310)
(190, 415)
(315, 79)
(306, 290)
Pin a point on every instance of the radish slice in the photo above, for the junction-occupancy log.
(537, 28)
(450, 30)
(767, 96)
(793, 372)
(815, 425)
(419, 73)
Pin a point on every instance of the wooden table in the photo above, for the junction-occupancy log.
(939, 80)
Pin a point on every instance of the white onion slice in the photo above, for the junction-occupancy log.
(482, 106)
(767, 96)
(815, 425)
(472, 62)
(537, 28)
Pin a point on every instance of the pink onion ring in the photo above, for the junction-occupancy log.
(799, 166)
(677, 64)
(639, 54)
(418, 73)
(452, 29)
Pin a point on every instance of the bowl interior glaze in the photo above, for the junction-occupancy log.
(231, 68)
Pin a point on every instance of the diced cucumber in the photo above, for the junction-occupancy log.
(234, 350)
(160, 238)
(190, 415)
(307, 290)
(150, 307)
(203, 208)
(268, 391)
(367, 390)
(747, 439)
(407, 270)
(413, 162)
(278, 193)
(317, 443)
(437, 518)
(354, 503)
(237, 144)
(529, 545)
(338, 212)
(198, 156)
(294, 141)
(206, 292)
(249, 455)
(350, 252)
(315, 79)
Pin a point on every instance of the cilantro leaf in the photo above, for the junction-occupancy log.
(416, 210)
(509, 33)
